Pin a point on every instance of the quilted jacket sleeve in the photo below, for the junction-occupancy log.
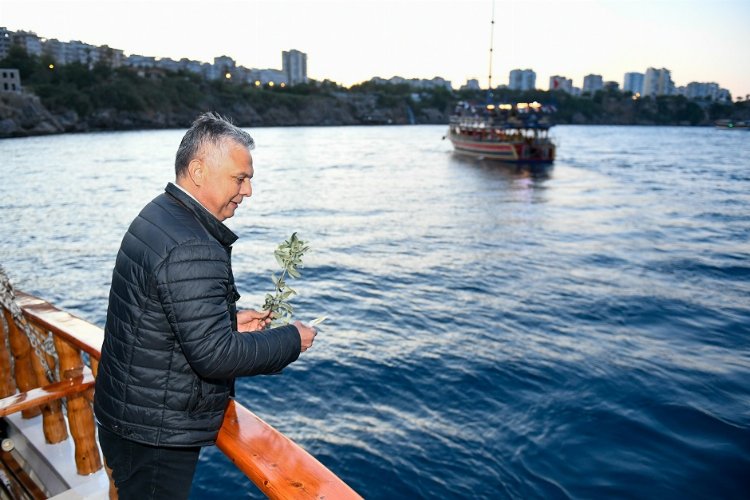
(192, 284)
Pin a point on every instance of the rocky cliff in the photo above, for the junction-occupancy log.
(24, 114)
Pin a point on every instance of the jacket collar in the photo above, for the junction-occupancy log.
(214, 226)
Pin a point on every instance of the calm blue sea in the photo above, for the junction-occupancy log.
(575, 331)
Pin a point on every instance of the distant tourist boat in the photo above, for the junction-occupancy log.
(516, 133)
(733, 124)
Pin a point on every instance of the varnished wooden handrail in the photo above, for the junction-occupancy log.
(82, 334)
(277, 465)
(43, 395)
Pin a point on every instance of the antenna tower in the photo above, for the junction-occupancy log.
(492, 42)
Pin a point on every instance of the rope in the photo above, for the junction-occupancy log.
(42, 347)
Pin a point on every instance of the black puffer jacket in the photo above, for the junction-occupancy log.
(171, 349)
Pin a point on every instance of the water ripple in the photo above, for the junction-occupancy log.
(574, 331)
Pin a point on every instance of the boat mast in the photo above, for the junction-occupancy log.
(492, 42)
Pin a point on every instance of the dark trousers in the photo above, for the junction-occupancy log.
(144, 472)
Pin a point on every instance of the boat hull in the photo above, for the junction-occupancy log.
(505, 151)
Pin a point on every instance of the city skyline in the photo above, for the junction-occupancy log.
(350, 42)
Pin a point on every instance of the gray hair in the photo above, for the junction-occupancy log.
(209, 128)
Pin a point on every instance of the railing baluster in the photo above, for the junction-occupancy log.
(21, 349)
(80, 414)
(53, 419)
(7, 384)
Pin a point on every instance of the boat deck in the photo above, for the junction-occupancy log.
(53, 465)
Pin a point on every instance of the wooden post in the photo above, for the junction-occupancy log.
(7, 384)
(80, 414)
(53, 420)
(24, 372)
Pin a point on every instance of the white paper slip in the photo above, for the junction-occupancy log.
(319, 320)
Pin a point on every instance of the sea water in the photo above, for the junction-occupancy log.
(580, 330)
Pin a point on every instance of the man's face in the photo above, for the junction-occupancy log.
(227, 180)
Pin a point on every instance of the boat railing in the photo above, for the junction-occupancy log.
(480, 122)
(55, 358)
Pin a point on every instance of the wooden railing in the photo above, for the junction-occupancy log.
(278, 466)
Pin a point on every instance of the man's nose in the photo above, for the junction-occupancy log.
(247, 188)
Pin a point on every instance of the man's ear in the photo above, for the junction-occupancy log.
(196, 171)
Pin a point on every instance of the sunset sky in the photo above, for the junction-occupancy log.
(351, 41)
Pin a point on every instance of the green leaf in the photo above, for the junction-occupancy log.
(288, 256)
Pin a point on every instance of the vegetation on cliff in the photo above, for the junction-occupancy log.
(79, 98)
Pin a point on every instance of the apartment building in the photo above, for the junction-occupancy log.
(558, 82)
(709, 91)
(633, 82)
(657, 82)
(522, 79)
(592, 83)
(294, 65)
(5, 42)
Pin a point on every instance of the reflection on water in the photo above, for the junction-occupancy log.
(533, 171)
(495, 330)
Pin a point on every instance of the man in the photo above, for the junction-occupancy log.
(173, 340)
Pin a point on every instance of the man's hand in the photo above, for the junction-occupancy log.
(306, 335)
(250, 320)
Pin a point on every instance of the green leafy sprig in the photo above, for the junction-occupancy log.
(289, 256)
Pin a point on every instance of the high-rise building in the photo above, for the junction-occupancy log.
(592, 83)
(558, 82)
(657, 82)
(633, 82)
(294, 64)
(522, 79)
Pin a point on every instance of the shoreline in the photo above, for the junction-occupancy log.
(154, 129)
(25, 114)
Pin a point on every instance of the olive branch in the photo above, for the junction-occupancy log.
(289, 256)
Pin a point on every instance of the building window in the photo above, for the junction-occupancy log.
(14, 86)
(5, 85)
(5, 75)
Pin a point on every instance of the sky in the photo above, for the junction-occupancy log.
(354, 40)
